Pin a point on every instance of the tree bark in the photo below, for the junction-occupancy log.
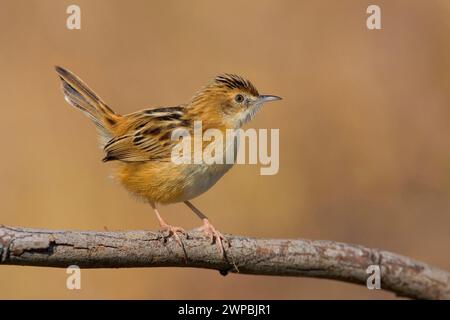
(282, 257)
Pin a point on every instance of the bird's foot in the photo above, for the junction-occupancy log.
(214, 235)
(173, 231)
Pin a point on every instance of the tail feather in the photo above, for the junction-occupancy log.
(80, 96)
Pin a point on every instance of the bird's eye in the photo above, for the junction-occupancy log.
(239, 98)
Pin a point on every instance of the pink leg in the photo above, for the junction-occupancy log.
(209, 229)
(167, 227)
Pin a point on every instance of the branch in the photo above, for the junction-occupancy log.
(282, 257)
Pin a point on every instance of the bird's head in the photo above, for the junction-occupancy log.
(229, 98)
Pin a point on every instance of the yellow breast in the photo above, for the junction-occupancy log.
(166, 182)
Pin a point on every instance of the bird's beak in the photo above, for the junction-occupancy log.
(267, 98)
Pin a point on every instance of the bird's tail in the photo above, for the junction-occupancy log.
(80, 96)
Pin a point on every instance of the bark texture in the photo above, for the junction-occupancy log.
(282, 257)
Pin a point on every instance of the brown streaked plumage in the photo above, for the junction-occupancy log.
(140, 143)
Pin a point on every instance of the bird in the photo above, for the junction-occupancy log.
(140, 144)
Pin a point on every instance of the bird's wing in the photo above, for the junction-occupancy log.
(148, 136)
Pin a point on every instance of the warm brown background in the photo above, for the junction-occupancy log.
(364, 129)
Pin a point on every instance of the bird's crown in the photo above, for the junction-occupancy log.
(233, 81)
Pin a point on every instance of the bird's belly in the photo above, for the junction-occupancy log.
(168, 182)
(201, 178)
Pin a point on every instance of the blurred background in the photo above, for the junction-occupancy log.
(364, 129)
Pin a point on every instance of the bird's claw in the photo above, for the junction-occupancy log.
(215, 236)
(173, 231)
